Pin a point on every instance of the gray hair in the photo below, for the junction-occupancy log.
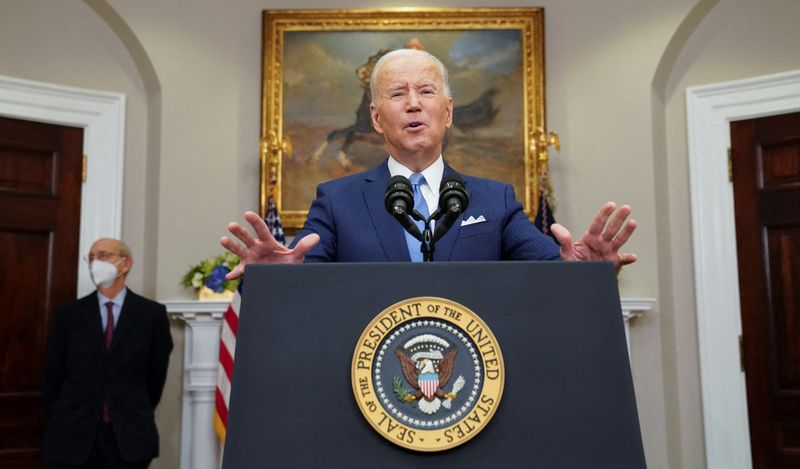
(373, 79)
(124, 249)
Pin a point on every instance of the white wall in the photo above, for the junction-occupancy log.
(737, 39)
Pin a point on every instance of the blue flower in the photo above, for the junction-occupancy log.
(211, 273)
(216, 280)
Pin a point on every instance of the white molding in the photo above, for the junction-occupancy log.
(188, 309)
(710, 109)
(632, 308)
(102, 116)
(200, 448)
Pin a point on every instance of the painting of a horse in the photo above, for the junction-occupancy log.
(327, 99)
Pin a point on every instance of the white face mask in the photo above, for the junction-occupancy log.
(103, 273)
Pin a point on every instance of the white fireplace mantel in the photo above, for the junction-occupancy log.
(200, 448)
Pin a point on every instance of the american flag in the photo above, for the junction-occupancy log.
(227, 341)
(274, 221)
(544, 214)
(227, 349)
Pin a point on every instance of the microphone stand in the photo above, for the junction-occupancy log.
(427, 241)
(399, 199)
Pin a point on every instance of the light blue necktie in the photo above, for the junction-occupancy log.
(421, 206)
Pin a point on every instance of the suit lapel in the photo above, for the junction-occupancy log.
(390, 233)
(444, 247)
(127, 318)
(90, 314)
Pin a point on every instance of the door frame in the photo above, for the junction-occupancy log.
(710, 109)
(102, 116)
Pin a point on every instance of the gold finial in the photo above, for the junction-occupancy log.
(272, 148)
(541, 140)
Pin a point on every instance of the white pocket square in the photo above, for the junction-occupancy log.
(472, 220)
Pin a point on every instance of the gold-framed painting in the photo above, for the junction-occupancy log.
(315, 123)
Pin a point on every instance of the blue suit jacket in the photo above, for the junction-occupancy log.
(354, 226)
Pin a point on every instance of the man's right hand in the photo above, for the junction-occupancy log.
(264, 249)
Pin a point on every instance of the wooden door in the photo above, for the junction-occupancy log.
(766, 180)
(40, 190)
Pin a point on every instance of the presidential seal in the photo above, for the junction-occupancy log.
(427, 374)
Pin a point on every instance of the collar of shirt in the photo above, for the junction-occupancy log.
(117, 309)
(433, 178)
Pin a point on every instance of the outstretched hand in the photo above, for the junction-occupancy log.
(263, 249)
(603, 240)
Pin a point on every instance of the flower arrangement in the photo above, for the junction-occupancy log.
(210, 274)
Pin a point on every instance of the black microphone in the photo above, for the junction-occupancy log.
(400, 202)
(453, 195)
(453, 200)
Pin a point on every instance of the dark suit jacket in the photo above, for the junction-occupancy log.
(80, 376)
(354, 226)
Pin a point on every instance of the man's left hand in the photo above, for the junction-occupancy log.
(603, 240)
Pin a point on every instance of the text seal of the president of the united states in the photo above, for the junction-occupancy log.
(427, 374)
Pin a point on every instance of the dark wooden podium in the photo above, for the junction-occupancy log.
(568, 400)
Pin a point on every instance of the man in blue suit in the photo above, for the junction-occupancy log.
(412, 108)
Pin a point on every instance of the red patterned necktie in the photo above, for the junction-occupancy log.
(109, 324)
(109, 335)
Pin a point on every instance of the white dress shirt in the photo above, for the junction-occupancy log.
(117, 309)
(433, 178)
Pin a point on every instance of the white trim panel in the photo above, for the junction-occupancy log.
(102, 116)
(710, 109)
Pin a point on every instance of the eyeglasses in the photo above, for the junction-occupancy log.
(102, 256)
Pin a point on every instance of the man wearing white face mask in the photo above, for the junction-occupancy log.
(105, 368)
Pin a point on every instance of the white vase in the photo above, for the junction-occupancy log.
(206, 294)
